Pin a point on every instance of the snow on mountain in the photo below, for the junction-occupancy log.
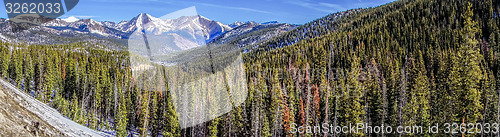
(239, 23)
(109, 24)
(71, 19)
(143, 21)
(251, 33)
(270, 22)
(172, 35)
(236, 24)
(210, 29)
(88, 22)
(190, 27)
(91, 26)
(56, 23)
(181, 33)
(61, 22)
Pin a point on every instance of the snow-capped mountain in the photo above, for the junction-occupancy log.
(252, 32)
(56, 23)
(142, 21)
(168, 35)
(191, 27)
(239, 23)
(94, 27)
(71, 19)
(210, 29)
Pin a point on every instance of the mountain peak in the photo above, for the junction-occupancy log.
(71, 19)
(139, 21)
(203, 17)
(144, 17)
(239, 23)
(271, 22)
(192, 17)
(88, 21)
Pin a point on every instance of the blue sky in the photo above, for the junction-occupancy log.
(225, 11)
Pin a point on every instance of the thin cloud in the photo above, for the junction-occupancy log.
(231, 7)
(319, 6)
(87, 16)
(335, 6)
(129, 1)
(80, 16)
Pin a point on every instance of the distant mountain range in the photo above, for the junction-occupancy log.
(172, 35)
(142, 21)
(184, 32)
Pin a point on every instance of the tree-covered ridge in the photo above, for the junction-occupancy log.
(91, 86)
(419, 63)
(313, 29)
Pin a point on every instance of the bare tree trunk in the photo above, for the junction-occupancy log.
(498, 109)
(385, 102)
(276, 122)
(116, 100)
(327, 104)
(84, 97)
(402, 96)
(367, 119)
(308, 95)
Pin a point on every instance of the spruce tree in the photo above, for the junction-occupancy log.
(121, 118)
(466, 73)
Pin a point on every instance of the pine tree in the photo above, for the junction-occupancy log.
(275, 103)
(48, 79)
(5, 58)
(466, 73)
(75, 109)
(98, 105)
(155, 125)
(374, 99)
(122, 119)
(213, 131)
(171, 124)
(352, 97)
(418, 108)
(28, 69)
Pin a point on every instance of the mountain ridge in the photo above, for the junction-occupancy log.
(188, 31)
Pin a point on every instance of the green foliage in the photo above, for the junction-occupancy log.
(213, 128)
(121, 126)
(467, 73)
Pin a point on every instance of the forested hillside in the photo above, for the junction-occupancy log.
(406, 63)
(410, 62)
(313, 29)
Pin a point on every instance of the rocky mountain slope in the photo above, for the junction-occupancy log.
(23, 115)
(185, 32)
(169, 35)
(251, 32)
